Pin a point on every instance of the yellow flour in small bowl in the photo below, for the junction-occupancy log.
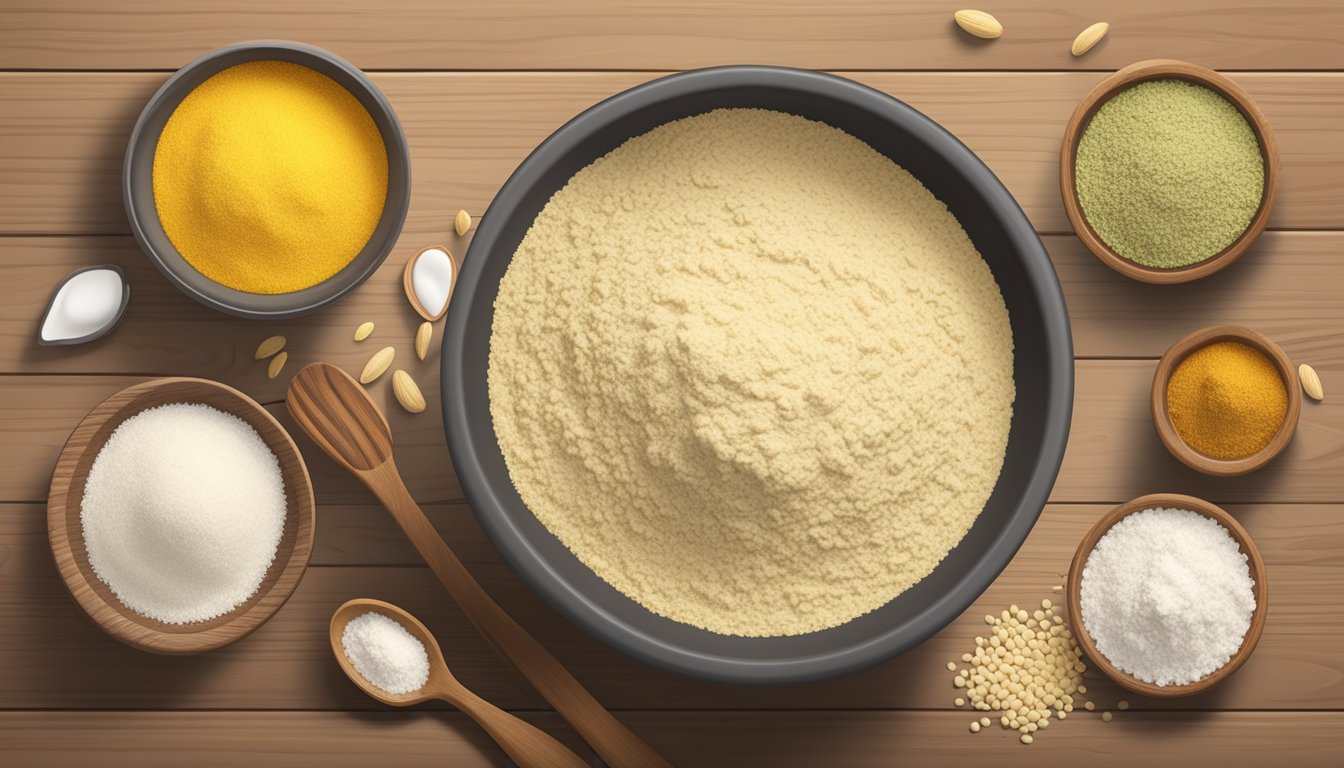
(752, 373)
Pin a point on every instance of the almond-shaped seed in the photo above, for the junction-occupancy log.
(423, 335)
(377, 365)
(363, 331)
(408, 394)
(1089, 37)
(1311, 382)
(978, 23)
(462, 223)
(277, 363)
(269, 347)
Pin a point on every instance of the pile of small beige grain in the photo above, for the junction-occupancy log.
(752, 373)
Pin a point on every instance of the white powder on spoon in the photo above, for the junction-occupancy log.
(385, 653)
(182, 512)
(1167, 596)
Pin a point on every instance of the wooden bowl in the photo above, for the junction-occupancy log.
(65, 528)
(1165, 69)
(1253, 561)
(1166, 430)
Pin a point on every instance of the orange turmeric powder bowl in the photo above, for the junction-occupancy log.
(1225, 400)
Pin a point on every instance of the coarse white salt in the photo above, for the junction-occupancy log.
(182, 512)
(385, 653)
(1167, 596)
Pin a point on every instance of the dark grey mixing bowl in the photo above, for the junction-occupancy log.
(137, 182)
(1043, 360)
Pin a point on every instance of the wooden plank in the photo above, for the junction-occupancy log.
(1286, 288)
(701, 739)
(56, 658)
(65, 135)
(40, 412)
(605, 34)
(1113, 451)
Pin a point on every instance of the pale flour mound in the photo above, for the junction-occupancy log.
(752, 373)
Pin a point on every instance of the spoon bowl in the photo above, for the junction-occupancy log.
(529, 746)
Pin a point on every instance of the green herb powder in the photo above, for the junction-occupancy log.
(1169, 173)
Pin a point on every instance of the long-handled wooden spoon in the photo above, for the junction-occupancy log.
(529, 746)
(343, 420)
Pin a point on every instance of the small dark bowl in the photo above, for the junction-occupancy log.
(137, 182)
(1043, 372)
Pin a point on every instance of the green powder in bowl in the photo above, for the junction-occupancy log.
(1169, 173)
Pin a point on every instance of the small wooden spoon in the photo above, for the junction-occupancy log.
(344, 421)
(528, 746)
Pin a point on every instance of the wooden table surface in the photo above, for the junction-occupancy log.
(477, 86)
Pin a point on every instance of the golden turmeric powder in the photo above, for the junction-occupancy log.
(1227, 400)
(269, 177)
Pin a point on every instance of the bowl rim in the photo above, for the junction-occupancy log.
(1255, 563)
(396, 204)
(571, 600)
(115, 618)
(1166, 430)
(1166, 69)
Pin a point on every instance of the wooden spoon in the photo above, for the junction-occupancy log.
(343, 420)
(529, 746)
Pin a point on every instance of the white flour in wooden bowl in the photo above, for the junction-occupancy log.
(752, 373)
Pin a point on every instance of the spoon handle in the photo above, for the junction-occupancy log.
(529, 746)
(615, 743)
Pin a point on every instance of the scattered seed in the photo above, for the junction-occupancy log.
(423, 335)
(1089, 706)
(277, 363)
(978, 23)
(1026, 738)
(462, 223)
(1311, 382)
(363, 331)
(951, 666)
(408, 394)
(959, 702)
(377, 365)
(984, 722)
(1088, 38)
(1123, 705)
(1106, 716)
(269, 347)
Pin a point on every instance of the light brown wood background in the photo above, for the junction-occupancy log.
(477, 85)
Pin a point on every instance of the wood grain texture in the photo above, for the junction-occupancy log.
(65, 135)
(1113, 454)
(1287, 287)
(56, 659)
(801, 739)
(646, 34)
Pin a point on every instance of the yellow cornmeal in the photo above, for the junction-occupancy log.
(752, 373)
(269, 177)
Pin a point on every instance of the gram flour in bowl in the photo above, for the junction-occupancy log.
(751, 373)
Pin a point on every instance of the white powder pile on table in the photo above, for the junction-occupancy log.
(385, 653)
(1167, 596)
(752, 373)
(182, 512)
